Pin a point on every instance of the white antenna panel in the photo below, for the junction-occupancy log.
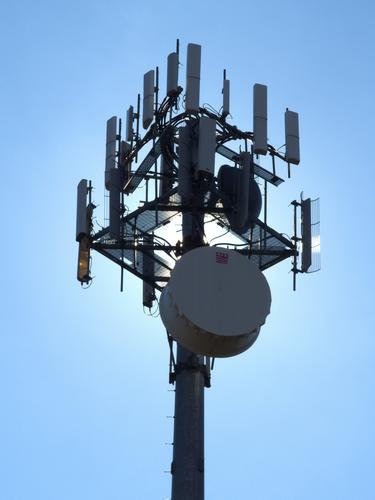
(306, 235)
(207, 145)
(292, 137)
(226, 94)
(260, 118)
(148, 98)
(110, 154)
(193, 75)
(81, 227)
(129, 124)
(172, 74)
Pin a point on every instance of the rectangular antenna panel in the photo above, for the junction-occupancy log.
(83, 267)
(243, 189)
(172, 74)
(193, 75)
(292, 137)
(129, 124)
(110, 154)
(260, 118)
(148, 272)
(226, 94)
(184, 187)
(148, 98)
(148, 295)
(207, 145)
(115, 203)
(306, 235)
(82, 223)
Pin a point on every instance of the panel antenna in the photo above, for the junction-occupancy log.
(193, 76)
(260, 118)
(110, 156)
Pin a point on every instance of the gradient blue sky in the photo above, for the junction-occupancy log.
(84, 374)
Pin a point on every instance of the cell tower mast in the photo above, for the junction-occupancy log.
(213, 297)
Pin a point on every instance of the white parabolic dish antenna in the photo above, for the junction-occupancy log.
(215, 302)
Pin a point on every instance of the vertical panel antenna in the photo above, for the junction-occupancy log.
(172, 74)
(260, 118)
(243, 190)
(184, 187)
(129, 124)
(226, 95)
(82, 225)
(292, 153)
(306, 235)
(115, 204)
(148, 265)
(148, 98)
(110, 150)
(207, 145)
(193, 75)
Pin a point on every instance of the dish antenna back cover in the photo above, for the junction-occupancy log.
(215, 302)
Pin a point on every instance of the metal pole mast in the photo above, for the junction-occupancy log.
(188, 437)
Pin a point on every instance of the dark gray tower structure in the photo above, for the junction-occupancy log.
(199, 172)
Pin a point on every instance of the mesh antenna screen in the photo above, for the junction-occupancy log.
(315, 236)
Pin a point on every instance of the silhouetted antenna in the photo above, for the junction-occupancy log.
(172, 74)
(148, 98)
(115, 188)
(291, 137)
(110, 156)
(84, 214)
(148, 271)
(243, 191)
(306, 235)
(129, 124)
(207, 146)
(226, 95)
(82, 226)
(184, 187)
(156, 88)
(260, 118)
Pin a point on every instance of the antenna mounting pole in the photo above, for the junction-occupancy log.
(187, 468)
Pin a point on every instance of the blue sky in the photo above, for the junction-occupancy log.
(84, 374)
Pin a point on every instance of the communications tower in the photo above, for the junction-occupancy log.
(209, 181)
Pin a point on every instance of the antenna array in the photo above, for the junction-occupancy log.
(177, 161)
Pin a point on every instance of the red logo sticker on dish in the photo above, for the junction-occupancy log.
(222, 257)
